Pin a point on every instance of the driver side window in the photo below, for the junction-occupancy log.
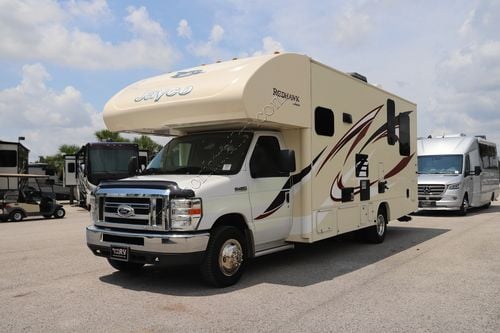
(265, 158)
(467, 165)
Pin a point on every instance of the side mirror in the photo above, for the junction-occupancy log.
(477, 171)
(287, 160)
(81, 168)
(132, 166)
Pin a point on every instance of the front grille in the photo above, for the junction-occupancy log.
(133, 212)
(123, 239)
(425, 190)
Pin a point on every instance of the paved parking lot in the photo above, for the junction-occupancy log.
(438, 273)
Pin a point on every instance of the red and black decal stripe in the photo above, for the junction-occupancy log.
(280, 199)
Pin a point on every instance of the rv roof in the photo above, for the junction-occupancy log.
(242, 93)
(445, 146)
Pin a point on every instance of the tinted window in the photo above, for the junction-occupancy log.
(71, 167)
(8, 158)
(323, 121)
(467, 165)
(265, 158)
(488, 156)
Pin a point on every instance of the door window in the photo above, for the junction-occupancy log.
(265, 158)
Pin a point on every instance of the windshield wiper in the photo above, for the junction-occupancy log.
(187, 170)
(151, 171)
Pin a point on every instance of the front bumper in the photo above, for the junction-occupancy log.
(149, 247)
(446, 203)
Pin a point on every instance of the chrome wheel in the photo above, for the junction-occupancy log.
(380, 225)
(230, 257)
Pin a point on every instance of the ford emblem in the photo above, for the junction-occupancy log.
(125, 211)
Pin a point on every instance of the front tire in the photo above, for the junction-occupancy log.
(125, 266)
(464, 207)
(225, 258)
(59, 213)
(376, 234)
(16, 216)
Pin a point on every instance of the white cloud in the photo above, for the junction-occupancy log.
(469, 77)
(91, 9)
(184, 30)
(269, 45)
(142, 25)
(40, 31)
(46, 117)
(216, 34)
(352, 27)
(209, 49)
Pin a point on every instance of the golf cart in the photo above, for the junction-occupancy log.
(33, 196)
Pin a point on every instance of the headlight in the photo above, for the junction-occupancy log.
(454, 186)
(94, 208)
(185, 214)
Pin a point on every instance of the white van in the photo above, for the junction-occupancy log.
(270, 151)
(457, 172)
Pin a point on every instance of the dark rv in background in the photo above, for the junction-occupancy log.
(99, 161)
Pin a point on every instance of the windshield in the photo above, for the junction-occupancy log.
(440, 164)
(110, 161)
(220, 153)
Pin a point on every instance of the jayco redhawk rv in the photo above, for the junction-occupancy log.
(269, 151)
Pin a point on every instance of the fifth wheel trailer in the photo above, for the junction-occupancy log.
(270, 151)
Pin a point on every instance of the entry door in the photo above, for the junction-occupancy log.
(271, 204)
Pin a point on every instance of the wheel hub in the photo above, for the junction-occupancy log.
(230, 257)
(380, 225)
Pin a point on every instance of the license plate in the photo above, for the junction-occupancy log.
(427, 204)
(119, 253)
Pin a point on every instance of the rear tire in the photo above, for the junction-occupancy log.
(225, 257)
(16, 216)
(376, 234)
(125, 266)
(59, 213)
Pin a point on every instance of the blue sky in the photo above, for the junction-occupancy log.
(61, 60)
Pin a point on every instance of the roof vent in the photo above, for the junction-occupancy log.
(457, 135)
(358, 76)
(482, 136)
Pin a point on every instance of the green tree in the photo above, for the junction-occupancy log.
(57, 160)
(146, 143)
(106, 135)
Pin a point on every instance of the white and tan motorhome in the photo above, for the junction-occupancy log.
(269, 151)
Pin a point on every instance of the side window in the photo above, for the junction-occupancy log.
(404, 134)
(323, 121)
(71, 167)
(8, 158)
(467, 165)
(265, 158)
(391, 122)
